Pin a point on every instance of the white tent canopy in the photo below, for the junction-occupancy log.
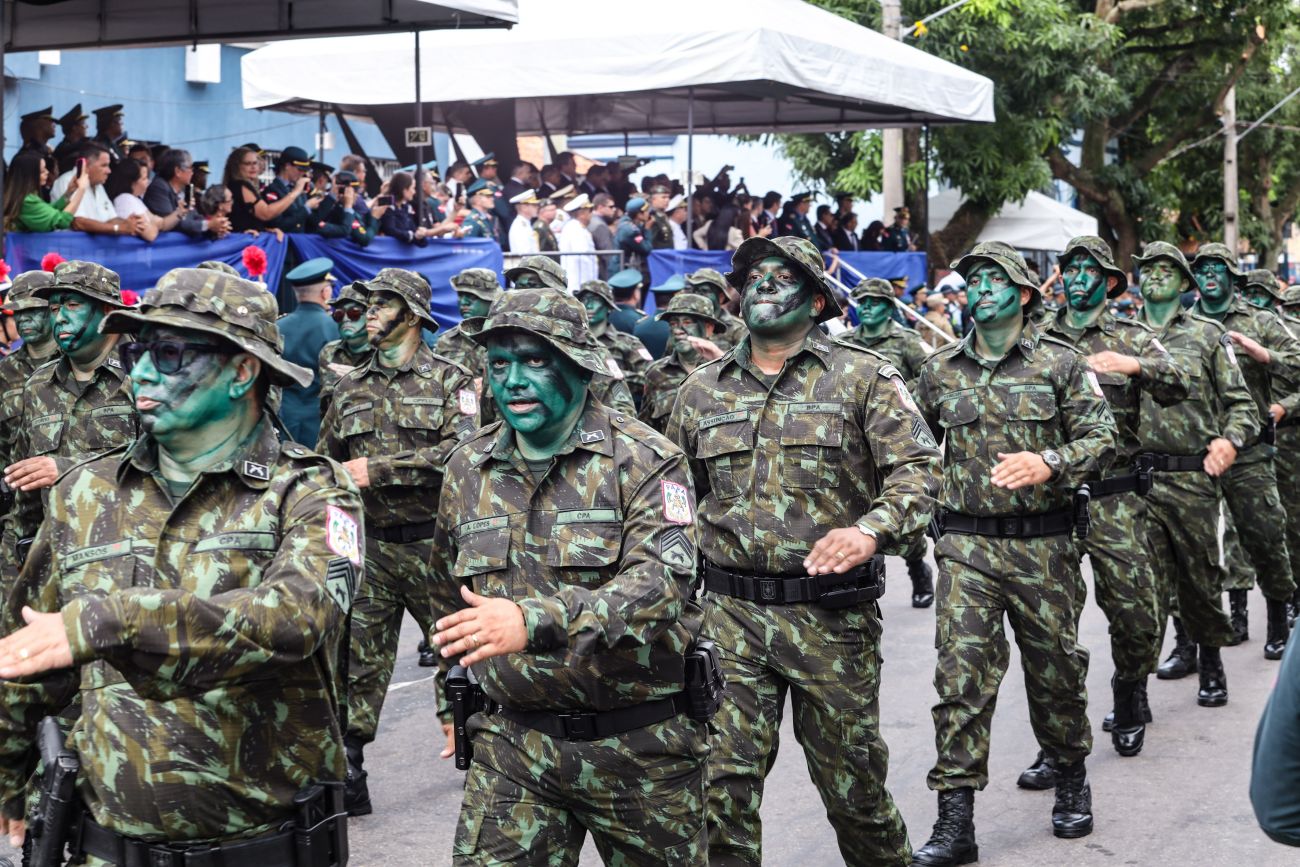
(750, 66)
(1038, 223)
(33, 25)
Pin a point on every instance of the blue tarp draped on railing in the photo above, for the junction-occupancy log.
(665, 263)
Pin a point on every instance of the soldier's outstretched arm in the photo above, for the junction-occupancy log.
(1087, 423)
(1160, 375)
(1239, 416)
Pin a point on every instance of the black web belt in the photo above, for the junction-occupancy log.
(594, 725)
(854, 587)
(402, 533)
(1056, 523)
(1172, 463)
(276, 850)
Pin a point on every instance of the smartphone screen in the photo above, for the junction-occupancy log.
(189, 195)
(384, 200)
(81, 167)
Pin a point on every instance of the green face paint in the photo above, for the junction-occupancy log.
(711, 292)
(202, 393)
(538, 391)
(352, 331)
(75, 319)
(33, 325)
(994, 298)
(1161, 281)
(777, 298)
(873, 313)
(529, 280)
(1085, 282)
(472, 305)
(683, 326)
(1255, 297)
(597, 309)
(1214, 281)
(386, 320)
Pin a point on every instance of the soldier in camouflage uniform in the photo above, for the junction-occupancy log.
(74, 406)
(32, 319)
(1024, 422)
(566, 534)
(476, 289)
(1267, 346)
(1285, 410)
(1191, 444)
(197, 609)
(392, 423)
(712, 285)
(904, 348)
(630, 354)
(340, 357)
(810, 460)
(689, 316)
(1129, 361)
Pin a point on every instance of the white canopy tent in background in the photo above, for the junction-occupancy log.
(1038, 223)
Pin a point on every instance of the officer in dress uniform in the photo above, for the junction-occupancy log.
(109, 131)
(306, 331)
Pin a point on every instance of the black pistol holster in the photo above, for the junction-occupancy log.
(705, 683)
(1082, 511)
(51, 823)
(467, 698)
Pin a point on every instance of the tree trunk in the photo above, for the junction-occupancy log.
(948, 245)
(917, 200)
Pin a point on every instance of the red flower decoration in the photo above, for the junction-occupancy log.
(4, 270)
(50, 261)
(129, 296)
(254, 261)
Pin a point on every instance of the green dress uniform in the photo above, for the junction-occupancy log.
(598, 550)
(481, 224)
(661, 231)
(204, 628)
(546, 242)
(832, 441)
(305, 332)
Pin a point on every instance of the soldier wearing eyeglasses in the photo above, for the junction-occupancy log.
(73, 407)
(305, 332)
(340, 357)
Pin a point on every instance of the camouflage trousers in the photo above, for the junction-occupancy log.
(1251, 491)
(1036, 585)
(1125, 583)
(530, 799)
(829, 664)
(1287, 466)
(394, 583)
(1182, 533)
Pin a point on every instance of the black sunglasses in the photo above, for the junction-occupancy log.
(168, 355)
(353, 313)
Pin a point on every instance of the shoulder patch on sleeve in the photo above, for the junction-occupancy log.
(341, 582)
(343, 534)
(677, 503)
(644, 353)
(1158, 346)
(467, 399)
(1093, 383)
(1225, 339)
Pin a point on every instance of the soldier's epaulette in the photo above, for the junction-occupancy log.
(453, 363)
(1132, 323)
(44, 368)
(858, 347)
(1058, 342)
(1201, 317)
(111, 454)
(474, 442)
(642, 434)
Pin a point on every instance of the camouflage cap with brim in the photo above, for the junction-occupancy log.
(22, 294)
(214, 265)
(215, 303)
(1264, 279)
(600, 289)
(690, 304)
(799, 251)
(1163, 250)
(550, 272)
(480, 282)
(354, 293)
(711, 278)
(1291, 296)
(1223, 254)
(553, 315)
(410, 287)
(1099, 250)
(873, 287)
(85, 278)
(1005, 257)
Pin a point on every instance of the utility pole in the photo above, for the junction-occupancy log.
(1230, 170)
(891, 152)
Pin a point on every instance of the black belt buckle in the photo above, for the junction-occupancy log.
(842, 596)
(578, 725)
(165, 856)
(767, 589)
(1145, 478)
(1010, 526)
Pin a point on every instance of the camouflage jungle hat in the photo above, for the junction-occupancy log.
(707, 277)
(214, 265)
(1099, 250)
(873, 287)
(1266, 280)
(215, 303)
(547, 269)
(85, 278)
(410, 287)
(1004, 256)
(353, 293)
(1163, 250)
(599, 288)
(1291, 296)
(551, 314)
(1224, 255)
(22, 294)
(690, 304)
(480, 282)
(797, 250)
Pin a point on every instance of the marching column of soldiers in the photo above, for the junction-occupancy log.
(622, 567)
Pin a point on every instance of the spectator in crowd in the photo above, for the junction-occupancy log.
(794, 218)
(109, 130)
(632, 239)
(771, 209)
(545, 226)
(200, 180)
(727, 231)
(399, 220)
(95, 204)
(898, 238)
(25, 208)
(843, 206)
(872, 238)
(845, 237)
(937, 316)
(603, 214)
(551, 182)
(292, 172)
(523, 234)
(824, 230)
(214, 205)
(518, 181)
(594, 183)
(676, 211)
(36, 128)
(458, 178)
(142, 153)
(250, 210)
(126, 186)
(356, 164)
(575, 238)
(567, 165)
(171, 195)
(74, 133)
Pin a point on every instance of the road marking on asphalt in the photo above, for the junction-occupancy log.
(396, 686)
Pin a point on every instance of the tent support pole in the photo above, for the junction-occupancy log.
(419, 151)
(690, 165)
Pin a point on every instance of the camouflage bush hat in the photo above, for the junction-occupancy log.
(707, 277)
(410, 287)
(553, 315)
(1099, 250)
(22, 294)
(599, 288)
(479, 282)
(1224, 255)
(215, 303)
(214, 265)
(690, 304)
(1266, 280)
(354, 293)
(1006, 257)
(547, 269)
(1162, 250)
(797, 250)
(85, 278)
(873, 287)
(1291, 297)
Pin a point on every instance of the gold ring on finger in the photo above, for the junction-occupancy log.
(474, 638)
(24, 653)
(839, 555)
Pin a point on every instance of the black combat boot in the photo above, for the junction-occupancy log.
(356, 793)
(1214, 683)
(953, 840)
(1129, 730)
(1182, 660)
(922, 583)
(428, 658)
(1275, 642)
(1240, 618)
(1293, 609)
(1040, 776)
(1108, 721)
(1072, 812)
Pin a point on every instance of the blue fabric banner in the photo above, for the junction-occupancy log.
(138, 262)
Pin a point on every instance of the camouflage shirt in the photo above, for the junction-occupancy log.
(830, 441)
(1286, 384)
(333, 363)
(1040, 395)
(736, 331)
(456, 345)
(628, 353)
(599, 554)
(1217, 404)
(205, 633)
(1161, 376)
(614, 393)
(902, 346)
(662, 381)
(405, 421)
(15, 369)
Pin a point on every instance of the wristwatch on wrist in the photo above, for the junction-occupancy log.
(1053, 461)
(1236, 442)
(865, 530)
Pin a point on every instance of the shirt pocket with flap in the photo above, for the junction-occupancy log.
(482, 546)
(45, 436)
(812, 445)
(588, 541)
(110, 427)
(1031, 419)
(958, 412)
(725, 443)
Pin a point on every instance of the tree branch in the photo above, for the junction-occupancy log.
(1082, 181)
(1124, 7)
(1162, 81)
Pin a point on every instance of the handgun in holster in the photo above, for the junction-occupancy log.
(320, 826)
(1268, 436)
(467, 698)
(705, 682)
(21, 549)
(50, 825)
(1082, 511)
(1145, 471)
(6, 497)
